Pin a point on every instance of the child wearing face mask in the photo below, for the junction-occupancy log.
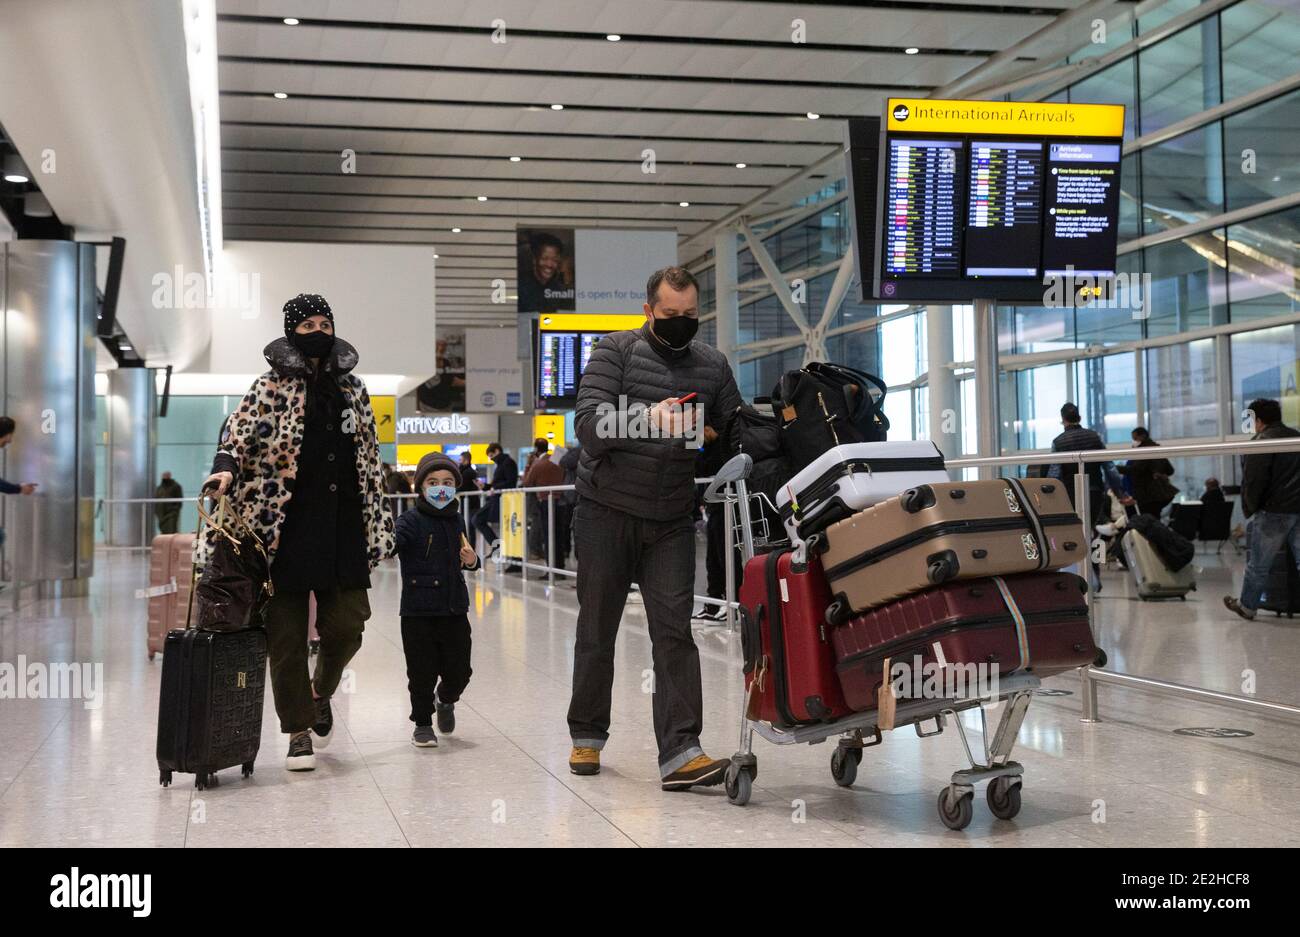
(433, 551)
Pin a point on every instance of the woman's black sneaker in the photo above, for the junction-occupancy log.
(300, 757)
(323, 730)
(446, 718)
(424, 737)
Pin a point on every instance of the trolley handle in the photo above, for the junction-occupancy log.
(736, 469)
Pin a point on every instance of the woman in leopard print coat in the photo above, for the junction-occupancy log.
(300, 459)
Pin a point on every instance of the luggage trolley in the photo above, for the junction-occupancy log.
(861, 730)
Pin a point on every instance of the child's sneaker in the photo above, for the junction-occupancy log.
(446, 717)
(423, 737)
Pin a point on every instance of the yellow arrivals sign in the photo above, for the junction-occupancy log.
(1016, 118)
(385, 408)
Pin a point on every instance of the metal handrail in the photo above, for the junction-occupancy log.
(1091, 676)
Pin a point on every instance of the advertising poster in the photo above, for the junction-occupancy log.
(493, 373)
(589, 269)
(446, 389)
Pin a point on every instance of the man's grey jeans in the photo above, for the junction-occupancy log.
(614, 550)
(1267, 535)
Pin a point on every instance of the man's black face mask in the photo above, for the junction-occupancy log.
(677, 331)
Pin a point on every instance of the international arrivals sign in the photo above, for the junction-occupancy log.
(451, 424)
(926, 115)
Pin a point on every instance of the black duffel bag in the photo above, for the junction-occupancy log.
(1174, 550)
(233, 590)
(754, 432)
(826, 405)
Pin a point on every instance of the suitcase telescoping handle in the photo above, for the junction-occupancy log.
(734, 472)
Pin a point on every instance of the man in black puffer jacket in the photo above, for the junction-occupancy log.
(636, 496)
(435, 603)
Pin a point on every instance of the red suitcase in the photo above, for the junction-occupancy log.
(783, 616)
(968, 622)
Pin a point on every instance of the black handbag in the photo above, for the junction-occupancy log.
(754, 432)
(826, 405)
(232, 593)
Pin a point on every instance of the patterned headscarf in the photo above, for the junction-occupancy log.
(304, 306)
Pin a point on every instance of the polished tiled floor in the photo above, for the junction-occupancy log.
(69, 775)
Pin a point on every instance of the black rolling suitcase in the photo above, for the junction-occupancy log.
(210, 708)
(213, 681)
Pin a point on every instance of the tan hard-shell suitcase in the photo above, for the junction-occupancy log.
(932, 534)
(183, 570)
(161, 592)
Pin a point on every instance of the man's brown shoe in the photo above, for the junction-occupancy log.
(584, 760)
(700, 771)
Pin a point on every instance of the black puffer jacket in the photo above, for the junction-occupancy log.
(649, 478)
(1271, 481)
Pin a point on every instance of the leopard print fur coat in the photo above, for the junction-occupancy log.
(261, 439)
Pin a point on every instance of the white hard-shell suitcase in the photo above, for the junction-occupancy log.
(1153, 578)
(849, 478)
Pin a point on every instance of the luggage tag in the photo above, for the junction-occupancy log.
(755, 692)
(885, 700)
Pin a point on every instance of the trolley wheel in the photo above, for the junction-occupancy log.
(955, 816)
(1101, 658)
(739, 785)
(201, 781)
(313, 646)
(165, 778)
(844, 765)
(1004, 797)
(248, 768)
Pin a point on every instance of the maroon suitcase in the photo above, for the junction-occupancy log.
(783, 632)
(968, 622)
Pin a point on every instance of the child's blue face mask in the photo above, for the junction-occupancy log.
(440, 495)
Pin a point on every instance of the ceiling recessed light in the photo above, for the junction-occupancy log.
(455, 230)
(684, 204)
(16, 177)
(557, 107)
(613, 37)
(482, 198)
(291, 21)
(280, 95)
(741, 165)
(911, 50)
(811, 116)
(515, 159)
(435, 256)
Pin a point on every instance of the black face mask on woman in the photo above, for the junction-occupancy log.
(677, 331)
(312, 344)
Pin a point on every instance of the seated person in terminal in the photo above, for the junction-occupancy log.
(433, 551)
(634, 521)
(300, 459)
(1213, 494)
(1270, 499)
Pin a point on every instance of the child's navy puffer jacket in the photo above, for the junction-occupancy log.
(428, 545)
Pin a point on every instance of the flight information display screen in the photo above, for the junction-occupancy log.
(924, 208)
(987, 199)
(561, 360)
(559, 363)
